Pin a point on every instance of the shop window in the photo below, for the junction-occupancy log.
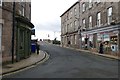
(21, 39)
(113, 39)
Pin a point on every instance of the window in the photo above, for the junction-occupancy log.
(83, 7)
(71, 40)
(23, 11)
(98, 19)
(67, 16)
(90, 3)
(75, 24)
(90, 22)
(83, 22)
(71, 24)
(67, 27)
(109, 15)
(70, 14)
(0, 2)
(75, 11)
(98, 1)
(75, 39)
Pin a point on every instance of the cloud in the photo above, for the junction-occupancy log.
(46, 15)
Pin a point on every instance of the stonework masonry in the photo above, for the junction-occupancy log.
(97, 22)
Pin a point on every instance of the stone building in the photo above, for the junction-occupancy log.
(16, 30)
(69, 26)
(98, 22)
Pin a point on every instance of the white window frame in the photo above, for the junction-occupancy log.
(90, 22)
(98, 19)
(83, 22)
(109, 15)
(83, 7)
(71, 14)
(90, 3)
(75, 11)
(0, 2)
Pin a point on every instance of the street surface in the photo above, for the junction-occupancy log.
(67, 63)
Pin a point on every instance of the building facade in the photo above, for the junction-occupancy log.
(99, 23)
(69, 26)
(16, 30)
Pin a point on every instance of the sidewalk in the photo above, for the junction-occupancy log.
(32, 60)
(104, 55)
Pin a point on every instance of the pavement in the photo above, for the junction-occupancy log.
(96, 53)
(33, 60)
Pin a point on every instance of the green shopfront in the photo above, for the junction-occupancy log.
(23, 38)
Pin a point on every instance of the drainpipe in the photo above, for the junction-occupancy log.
(13, 32)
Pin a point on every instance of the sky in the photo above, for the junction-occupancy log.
(45, 15)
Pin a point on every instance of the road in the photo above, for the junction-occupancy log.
(67, 63)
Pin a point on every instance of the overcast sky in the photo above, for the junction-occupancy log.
(46, 17)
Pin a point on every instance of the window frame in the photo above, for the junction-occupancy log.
(109, 14)
(83, 23)
(83, 7)
(75, 11)
(90, 4)
(90, 22)
(98, 19)
(1, 2)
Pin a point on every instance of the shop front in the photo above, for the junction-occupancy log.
(108, 36)
(110, 41)
(23, 38)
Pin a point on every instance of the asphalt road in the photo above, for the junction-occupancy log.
(67, 63)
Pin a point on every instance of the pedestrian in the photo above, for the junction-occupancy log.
(37, 47)
(101, 48)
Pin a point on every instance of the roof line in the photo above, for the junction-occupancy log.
(69, 8)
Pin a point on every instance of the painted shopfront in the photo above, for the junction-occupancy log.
(109, 36)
